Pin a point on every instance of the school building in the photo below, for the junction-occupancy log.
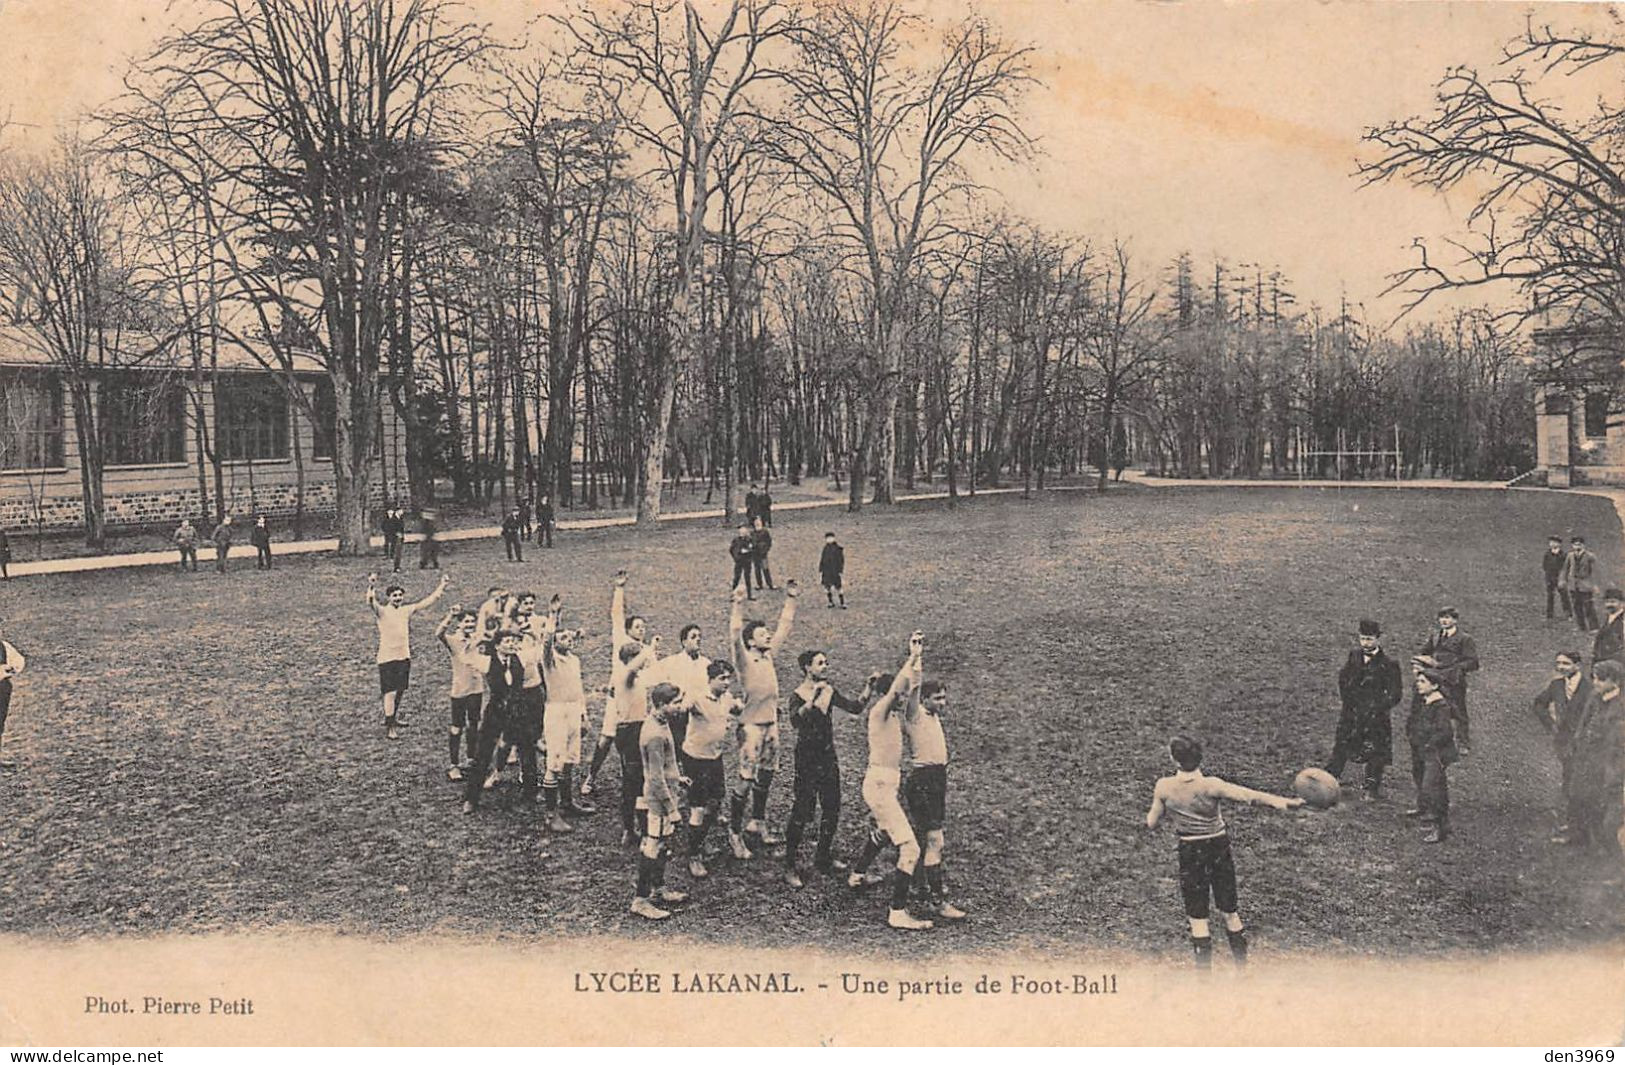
(159, 423)
(1579, 408)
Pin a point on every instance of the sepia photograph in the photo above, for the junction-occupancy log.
(811, 523)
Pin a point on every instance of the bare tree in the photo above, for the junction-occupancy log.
(316, 124)
(677, 83)
(1547, 185)
(60, 256)
(882, 142)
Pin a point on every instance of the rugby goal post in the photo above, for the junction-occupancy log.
(1343, 451)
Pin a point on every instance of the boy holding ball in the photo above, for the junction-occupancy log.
(1191, 800)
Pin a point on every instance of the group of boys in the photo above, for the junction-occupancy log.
(517, 689)
(1437, 727)
(1584, 713)
(186, 536)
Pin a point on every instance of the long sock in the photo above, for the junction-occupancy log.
(696, 838)
(792, 842)
(843, 598)
(473, 734)
(1203, 948)
(736, 808)
(866, 857)
(453, 744)
(567, 786)
(899, 888)
(598, 755)
(659, 879)
(550, 797)
(1238, 945)
(933, 879)
(645, 875)
(758, 793)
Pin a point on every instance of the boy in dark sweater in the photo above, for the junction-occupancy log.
(1551, 565)
(1433, 747)
(831, 568)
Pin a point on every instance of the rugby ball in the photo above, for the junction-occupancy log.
(1317, 788)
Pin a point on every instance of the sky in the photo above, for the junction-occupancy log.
(1224, 129)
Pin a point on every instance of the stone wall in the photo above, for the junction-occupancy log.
(134, 509)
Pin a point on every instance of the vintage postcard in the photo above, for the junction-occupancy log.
(811, 522)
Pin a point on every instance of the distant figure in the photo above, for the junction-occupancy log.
(222, 543)
(261, 537)
(831, 567)
(524, 520)
(544, 522)
(5, 556)
(394, 528)
(429, 549)
(513, 535)
(1580, 577)
(1610, 641)
(186, 541)
(740, 549)
(1551, 565)
(761, 542)
(753, 504)
(11, 664)
(764, 506)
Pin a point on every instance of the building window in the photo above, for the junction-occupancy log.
(30, 420)
(327, 418)
(1597, 404)
(143, 420)
(1557, 402)
(250, 417)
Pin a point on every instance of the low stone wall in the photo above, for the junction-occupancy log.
(135, 509)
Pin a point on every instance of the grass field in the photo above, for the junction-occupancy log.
(204, 754)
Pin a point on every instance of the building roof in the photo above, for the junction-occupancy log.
(21, 346)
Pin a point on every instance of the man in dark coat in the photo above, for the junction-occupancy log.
(544, 522)
(1558, 707)
(1551, 565)
(1597, 761)
(740, 549)
(831, 568)
(761, 542)
(513, 535)
(394, 529)
(753, 505)
(1457, 656)
(1610, 640)
(764, 506)
(1370, 685)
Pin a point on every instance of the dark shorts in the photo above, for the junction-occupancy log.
(394, 676)
(465, 710)
(832, 580)
(925, 793)
(706, 779)
(1205, 866)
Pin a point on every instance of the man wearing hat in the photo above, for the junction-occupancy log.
(1433, 748)
(1580, 577)
(1371, 687)
(1610, 641)
(1457, 656)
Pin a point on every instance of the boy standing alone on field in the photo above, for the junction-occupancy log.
(1580, 577)
(1206, 865)
(1551, 566)
(186, 542)
(831, 569)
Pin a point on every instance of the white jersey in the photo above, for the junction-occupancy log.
(394, 632)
